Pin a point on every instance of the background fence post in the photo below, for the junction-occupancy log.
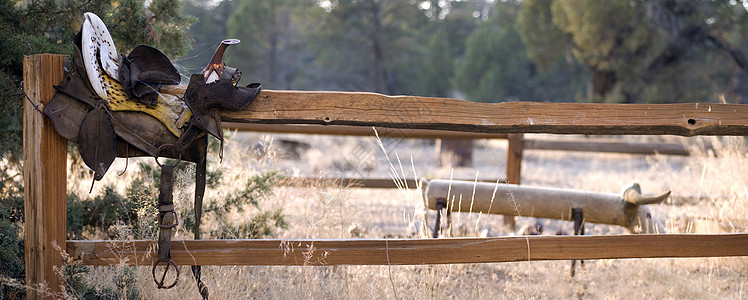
(513, 168)
(44, 178)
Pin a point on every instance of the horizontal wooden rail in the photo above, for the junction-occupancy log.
(369, 109)
(607, 147)
(410, 251)
(368, 183)
(361, 131)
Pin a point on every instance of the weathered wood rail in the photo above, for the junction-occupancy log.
(368, 183)
(320, 252)
(607, 147)
(45, 179)
(369, 109)
(361, 131)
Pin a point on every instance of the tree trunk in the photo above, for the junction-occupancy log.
(274, 37)
(602, 83)
(377, 50)
(740, 86)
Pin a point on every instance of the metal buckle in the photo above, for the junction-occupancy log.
(161, 219)
(161, 284)
(162, 148)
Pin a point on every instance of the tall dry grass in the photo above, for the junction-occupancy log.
(717, 179)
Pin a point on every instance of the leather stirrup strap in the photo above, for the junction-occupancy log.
(186, 139)
(167, 220)
(200, 175)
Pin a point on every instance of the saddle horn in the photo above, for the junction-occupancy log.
(215, 68)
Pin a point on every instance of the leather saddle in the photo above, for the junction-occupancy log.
(114, 107)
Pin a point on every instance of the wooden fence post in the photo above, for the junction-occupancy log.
(513, 168)
(456, 153)
(44, 178)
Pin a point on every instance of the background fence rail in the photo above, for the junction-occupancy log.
(515, 150)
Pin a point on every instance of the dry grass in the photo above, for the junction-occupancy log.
(719, 177)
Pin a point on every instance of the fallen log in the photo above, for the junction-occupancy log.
(629, 209)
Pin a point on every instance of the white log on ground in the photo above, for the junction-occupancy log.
(628, 209)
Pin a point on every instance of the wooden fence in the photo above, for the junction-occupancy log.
(517, 145)
(45, 178)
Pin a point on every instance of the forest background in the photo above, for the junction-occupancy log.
(637, 51)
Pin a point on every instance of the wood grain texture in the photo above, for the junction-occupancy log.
(45, 178)
(369, 109)
(360, 131)
(514, 153)
(411, 251)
